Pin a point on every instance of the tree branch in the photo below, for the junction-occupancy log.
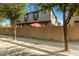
(72, 11)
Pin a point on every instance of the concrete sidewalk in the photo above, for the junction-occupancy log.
(34, 47)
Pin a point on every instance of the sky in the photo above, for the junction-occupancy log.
(59, 15)
(6, 22)
(30, 8)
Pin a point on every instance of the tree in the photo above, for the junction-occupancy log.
(68, 11)
(13, 12)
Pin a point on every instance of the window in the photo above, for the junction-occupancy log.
(26, 17)
(76, 21)
(17, 21)
(35, 16)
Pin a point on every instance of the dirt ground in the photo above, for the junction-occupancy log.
(34, 47)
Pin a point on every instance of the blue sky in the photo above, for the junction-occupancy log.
(6, 21)
(59, 15)
(30, 8)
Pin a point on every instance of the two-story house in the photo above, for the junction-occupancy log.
(74, 21)
(40, 17)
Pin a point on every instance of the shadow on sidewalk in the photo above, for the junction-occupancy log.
(56, 53)
(37, 41)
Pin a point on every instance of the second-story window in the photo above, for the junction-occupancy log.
(35, 15)
(26, 17)
(76, 21)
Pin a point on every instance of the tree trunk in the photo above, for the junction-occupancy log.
(14, 27)
(65, 28)
(65, 37)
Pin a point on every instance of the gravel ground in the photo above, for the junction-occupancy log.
(33, 47)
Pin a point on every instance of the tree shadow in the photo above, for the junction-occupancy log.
(38, 41)
(48, 43)
(12, 51)
(55, 53)
(42, 42)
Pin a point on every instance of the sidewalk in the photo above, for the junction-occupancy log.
(34, 47)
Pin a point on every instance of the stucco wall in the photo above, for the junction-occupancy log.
(48, 16)
(72, 21)
(41, 17)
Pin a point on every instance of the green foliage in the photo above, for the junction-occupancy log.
(13, 11)
(71, 9)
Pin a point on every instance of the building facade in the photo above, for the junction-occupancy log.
(74, 21)
(40, 16)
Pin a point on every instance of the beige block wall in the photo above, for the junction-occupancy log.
(48, 33)
(73, 33)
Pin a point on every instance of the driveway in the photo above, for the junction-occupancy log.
(35, 47)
